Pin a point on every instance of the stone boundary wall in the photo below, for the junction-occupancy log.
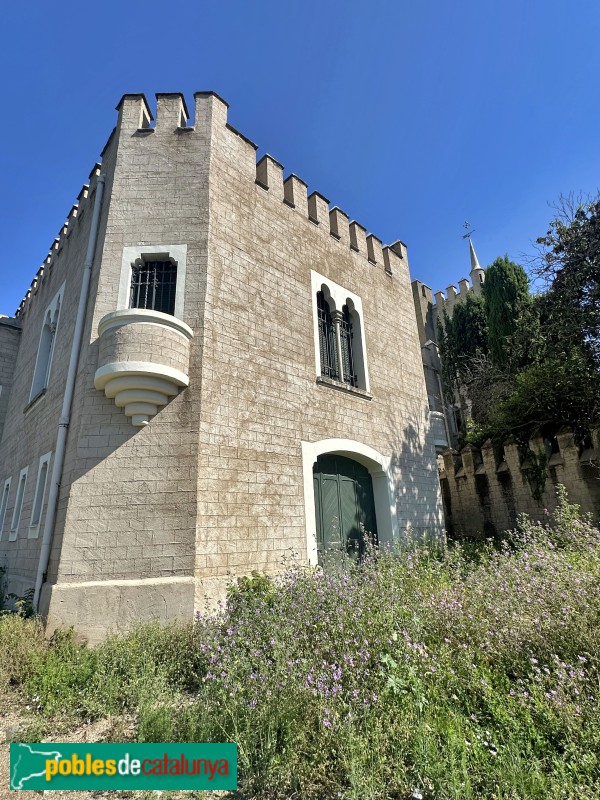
(484, 490)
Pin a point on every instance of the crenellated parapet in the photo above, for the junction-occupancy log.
(447, 302)
(315, 207)
(173, 119)
(440, 302)
(485, 489)
(66, 230)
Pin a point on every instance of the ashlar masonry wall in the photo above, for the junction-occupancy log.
(128, 528)
(154, 521)
(262, 405)
(484, 491)
(10, 339)
(30, 424)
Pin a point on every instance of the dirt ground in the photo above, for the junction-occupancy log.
(15, 717)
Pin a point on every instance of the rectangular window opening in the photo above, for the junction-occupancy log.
(153, 285)
(347, 335)
(339, 337)
(16, 518)
(40, 491)
(4, 503)
(327, 343)
(43, 362)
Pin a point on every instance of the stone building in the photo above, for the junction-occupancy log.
(485, 489)
(211, 369)
(430, 309)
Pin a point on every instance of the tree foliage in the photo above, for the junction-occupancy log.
(570, 268)
(506, 293)
(526, 362)
(546, 396)
(469, 329)
(486, 385)
(461, 339)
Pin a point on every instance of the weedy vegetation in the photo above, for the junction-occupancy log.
(417, 674)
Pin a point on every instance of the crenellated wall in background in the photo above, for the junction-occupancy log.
(429, 312)
(484, 490)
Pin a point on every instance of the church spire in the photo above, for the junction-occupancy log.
(477, 273)
(474, 260)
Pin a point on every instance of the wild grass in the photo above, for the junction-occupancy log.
(430, 675)
(21, 641)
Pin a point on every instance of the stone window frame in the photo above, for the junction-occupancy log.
(4, 503)
(18, 509)
(43, 360)
(176, 253)
(40, 494)
(339, 297)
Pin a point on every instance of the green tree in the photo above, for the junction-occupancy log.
(469, 330)
(569, 266)
(529, 342)
(461, 339)
(547, 396)
(536, 366)
(506, 294)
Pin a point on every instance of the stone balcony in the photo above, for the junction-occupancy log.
(143, 360)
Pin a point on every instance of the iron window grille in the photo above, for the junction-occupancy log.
(346, 336)
(153, 285)
(327, 344)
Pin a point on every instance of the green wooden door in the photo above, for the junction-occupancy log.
(343, 500)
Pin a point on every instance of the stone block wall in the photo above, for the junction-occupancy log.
(10, 338)
(484, 490)
(126, 530)
(30, 427)
(261, 401)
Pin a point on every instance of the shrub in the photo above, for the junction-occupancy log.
(22, 604)
(21, 641)
(125, 672)
(61, 675)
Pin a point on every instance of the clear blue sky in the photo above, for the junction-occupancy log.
(411, 116)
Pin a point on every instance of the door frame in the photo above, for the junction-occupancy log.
(383, 487)
(354, 508)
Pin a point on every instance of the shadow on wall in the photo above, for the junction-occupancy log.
(129, 490)
(416, 485)
(484, 490)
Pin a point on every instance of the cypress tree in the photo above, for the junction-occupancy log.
(505, 292)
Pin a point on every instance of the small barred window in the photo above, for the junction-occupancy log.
(153, 285)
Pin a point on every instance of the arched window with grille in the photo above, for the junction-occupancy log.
(347, 344)
(339, 336)
(43, 362)
(327, 342)
(153, 285)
